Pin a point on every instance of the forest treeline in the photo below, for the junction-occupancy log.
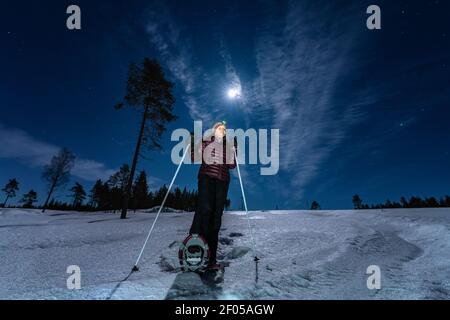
(404, 202)
(108, 195)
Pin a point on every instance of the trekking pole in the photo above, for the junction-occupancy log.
(256, 259)
(135, 268)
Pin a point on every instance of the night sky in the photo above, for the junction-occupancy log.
(359, 111)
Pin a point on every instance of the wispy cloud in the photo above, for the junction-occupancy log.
(19, 145)
(298, 69)
(91, 170)
(234, 80)
(164, 34)
(177, 52)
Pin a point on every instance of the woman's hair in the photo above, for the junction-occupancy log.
(214, 127)
(218, 124)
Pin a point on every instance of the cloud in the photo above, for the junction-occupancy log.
(299, 69)
(19, 145)
(178, 54)
(234, 80)
(91, 170)
(164, 34)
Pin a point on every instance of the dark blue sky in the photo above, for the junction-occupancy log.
(359, 111)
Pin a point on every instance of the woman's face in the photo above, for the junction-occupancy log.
(220, 132)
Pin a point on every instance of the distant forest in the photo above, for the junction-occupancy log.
(108, 195)
(413, 202)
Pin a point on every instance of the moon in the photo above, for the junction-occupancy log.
(234, 93)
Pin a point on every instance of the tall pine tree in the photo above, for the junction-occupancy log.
(78, 195)
(29, 199)
(140, 197)
(149, 92)
(10, 190)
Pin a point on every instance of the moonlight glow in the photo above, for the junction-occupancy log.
(234, 93)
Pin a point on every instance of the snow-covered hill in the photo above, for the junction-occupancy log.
(304, 254)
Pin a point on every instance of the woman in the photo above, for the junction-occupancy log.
(213, 182)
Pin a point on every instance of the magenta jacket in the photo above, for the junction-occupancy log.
(211, 164)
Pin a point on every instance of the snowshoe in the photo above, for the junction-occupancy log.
(194, 254)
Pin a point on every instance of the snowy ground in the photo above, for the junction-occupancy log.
(305, 254)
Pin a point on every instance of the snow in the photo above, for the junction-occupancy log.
(304, 255)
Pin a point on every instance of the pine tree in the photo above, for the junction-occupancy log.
(120, 178)
(159, 196)
(431, 202)
(388, 204)
(78, 195)
(114, 197)
(177, 199)
(415, 202)
(95, 194)
(315, 205)
(117, 185)
(185, 200)
(151, 200)
(150, 92)
(140, 192)
(403, 202)
(29, 199)
(447, 201)
(100, 196)
(10, 190)
(357, 202)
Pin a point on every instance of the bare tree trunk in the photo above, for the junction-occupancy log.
(6, 200)
(127, 194)
(48, 197)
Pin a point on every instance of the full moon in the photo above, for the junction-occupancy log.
(233, 93)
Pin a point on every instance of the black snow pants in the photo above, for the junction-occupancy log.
(212, 196)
